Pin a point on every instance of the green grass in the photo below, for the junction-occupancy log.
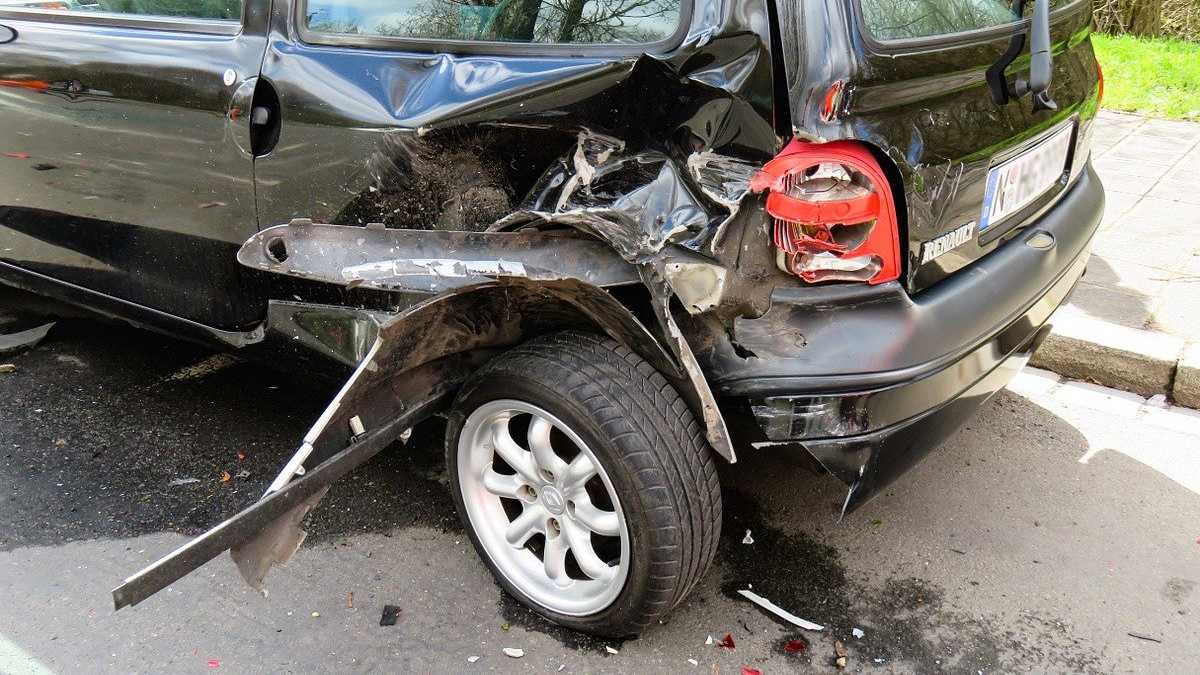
(1150, 76)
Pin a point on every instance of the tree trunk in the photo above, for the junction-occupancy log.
(566, 32)
(1143, 17)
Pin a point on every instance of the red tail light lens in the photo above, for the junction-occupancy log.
(1100, 84)
(833, 212)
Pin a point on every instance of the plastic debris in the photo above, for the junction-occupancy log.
(747, 670)
(877, 660)
(747, 539)
(610, 650)
(390, 614)
(1158, 401)
(727, 642)
(472, 659)
(709, 641)
(316, 615)
(214, 663)
(857, 633)
(797, 646)
(225, 477)
(779, 611)
(241, 456)
(243, 474)
(26, 339)
(350, 600)
(7, 368)
(183, 481)
(513, 652)
(1147, 638)
(694, 662)
(841, 656)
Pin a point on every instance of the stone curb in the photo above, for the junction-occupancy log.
(1141, 361)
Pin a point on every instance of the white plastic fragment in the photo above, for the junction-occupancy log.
(513, 652)
(878, 660)
(610, 650)
(747, 539)
(562, 667)
(472, 659)
(694, 662)
(779, 611)
(857, 632)
(183, 481)
(709, 641)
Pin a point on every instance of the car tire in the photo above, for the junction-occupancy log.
(584, 395)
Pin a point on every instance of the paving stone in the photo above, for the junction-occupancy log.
(1187, 377)
(1108, 304)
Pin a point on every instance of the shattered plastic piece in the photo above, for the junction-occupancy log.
(709, 641)
(747, 670)
(513, 652)
(797, 646)
(350, 600)
(727, 642)
(1157, 401)
(610, 650)
(242, 474)
(857, 633)
(225, 477)
(183, 481)
(842, 656)
(747, 539)
(316, 615)
(505, 626)
(878, 660)
(779, 611)
(390, 614)
(214, 663)
(26, 339)
(694, 662)
(7, 368)
(472, 659)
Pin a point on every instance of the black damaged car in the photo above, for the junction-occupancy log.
(614, 242)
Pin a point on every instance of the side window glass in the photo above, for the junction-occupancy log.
(538, 21)
(192, 9)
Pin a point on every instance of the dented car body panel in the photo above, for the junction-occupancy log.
(408, 209)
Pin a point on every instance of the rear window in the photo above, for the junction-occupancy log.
(909, 19)
(537, 21)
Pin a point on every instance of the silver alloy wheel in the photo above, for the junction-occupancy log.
(553, 496)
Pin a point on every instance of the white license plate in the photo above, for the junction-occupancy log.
(1011, 186)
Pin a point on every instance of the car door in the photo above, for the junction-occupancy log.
(126, 165)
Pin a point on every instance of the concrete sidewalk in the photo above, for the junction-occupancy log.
(1133, 316)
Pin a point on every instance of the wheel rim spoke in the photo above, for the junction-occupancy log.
(512, 453)
(581, 545)
(579, 471)
(502, 485)
(543, 452)
(554, 558)
(597, 520)
(525, 525)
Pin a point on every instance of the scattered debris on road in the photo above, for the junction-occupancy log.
(7, 368)
(841, 656)
(316, 615)
(472, 659)
(727, 642)
(610, 650)
(779, 611)
(350, 600)
(214, 663)
(225, 477)
(513, 652)
(747, 539)
(747, 670)
(694, 662)
(183, 481)
(1147, 638)
(243, 474)
(857, 633)
(796, 646)
(390, 614)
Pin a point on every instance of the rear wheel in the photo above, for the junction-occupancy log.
(585, 482)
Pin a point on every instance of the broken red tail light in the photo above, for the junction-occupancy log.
(833, 212)
(1099, 84)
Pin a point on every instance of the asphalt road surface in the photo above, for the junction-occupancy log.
(1061, 524)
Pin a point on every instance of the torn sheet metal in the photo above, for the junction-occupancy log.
(407, 371)
(430, 261)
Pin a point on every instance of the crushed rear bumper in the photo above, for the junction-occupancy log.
(869, 380)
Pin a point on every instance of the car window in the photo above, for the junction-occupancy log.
(193, 9)
(907, 19)
(539, 21)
